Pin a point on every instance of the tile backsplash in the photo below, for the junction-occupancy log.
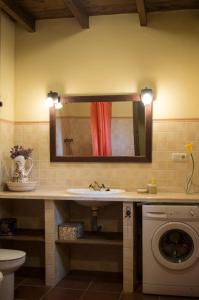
(168, 136)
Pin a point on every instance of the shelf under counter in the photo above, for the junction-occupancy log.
(102, 238)
(29, 235)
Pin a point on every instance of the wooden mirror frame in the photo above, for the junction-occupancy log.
(112, 98)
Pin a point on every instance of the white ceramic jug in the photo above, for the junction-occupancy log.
(21, 173)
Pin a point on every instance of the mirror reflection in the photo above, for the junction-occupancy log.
(101, 129)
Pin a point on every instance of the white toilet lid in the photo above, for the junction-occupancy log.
(7, 254)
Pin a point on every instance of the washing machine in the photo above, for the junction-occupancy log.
(171, 250)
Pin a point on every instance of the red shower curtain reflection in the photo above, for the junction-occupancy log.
(101, 128)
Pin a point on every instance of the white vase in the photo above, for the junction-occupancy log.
(21, 173)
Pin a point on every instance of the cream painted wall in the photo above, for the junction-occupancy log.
(7, 67)
(116, 55)
(7, 90)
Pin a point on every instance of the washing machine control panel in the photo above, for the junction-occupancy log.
(177, 212)
(184, 212)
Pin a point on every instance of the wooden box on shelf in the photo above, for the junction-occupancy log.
(70, 231)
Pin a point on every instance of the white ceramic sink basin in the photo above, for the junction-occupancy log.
(89, 192)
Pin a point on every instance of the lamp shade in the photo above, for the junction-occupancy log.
(49, 102)
(58, 105)
(53, 99)
(146, 96)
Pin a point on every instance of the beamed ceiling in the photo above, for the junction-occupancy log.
(26, 12)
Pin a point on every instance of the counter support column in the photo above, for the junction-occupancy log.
(56, 258)
(128, 247)
(50, 237)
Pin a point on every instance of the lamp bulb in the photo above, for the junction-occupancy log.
(49, 102)
(147, 96)
(58, 105)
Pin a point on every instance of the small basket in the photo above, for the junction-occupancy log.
(8, 226)
(70, 231)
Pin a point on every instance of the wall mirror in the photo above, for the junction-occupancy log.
(112, 128)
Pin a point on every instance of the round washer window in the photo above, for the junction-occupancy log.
(176, 245)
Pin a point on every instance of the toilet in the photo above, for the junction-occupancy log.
(10, 261)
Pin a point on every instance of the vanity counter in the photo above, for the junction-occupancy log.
(55, 212)
(125, 197)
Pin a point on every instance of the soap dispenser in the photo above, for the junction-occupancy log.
(152, 186)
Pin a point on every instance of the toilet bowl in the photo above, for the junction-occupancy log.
(10, 261)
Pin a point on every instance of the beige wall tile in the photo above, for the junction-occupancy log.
(168, 136)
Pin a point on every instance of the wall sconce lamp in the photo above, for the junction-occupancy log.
(146, 96)
(53, 99)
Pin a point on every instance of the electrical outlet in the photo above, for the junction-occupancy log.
(179, 156)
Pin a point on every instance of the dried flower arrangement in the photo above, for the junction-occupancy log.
(19, 150)
(189, 148)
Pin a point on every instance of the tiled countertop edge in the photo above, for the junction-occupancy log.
(125, 197)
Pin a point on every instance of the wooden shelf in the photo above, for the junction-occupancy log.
(102, 238)
(32, 235)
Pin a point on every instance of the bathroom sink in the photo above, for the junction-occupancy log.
(93, 204)
(89, 192)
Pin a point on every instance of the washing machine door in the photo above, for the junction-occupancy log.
(175, 245)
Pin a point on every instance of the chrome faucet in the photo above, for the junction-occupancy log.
(98, 187)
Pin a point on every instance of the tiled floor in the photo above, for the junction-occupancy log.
(81, 286)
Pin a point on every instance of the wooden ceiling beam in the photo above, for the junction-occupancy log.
(16, 13)
(78, 12)
(142, 12)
